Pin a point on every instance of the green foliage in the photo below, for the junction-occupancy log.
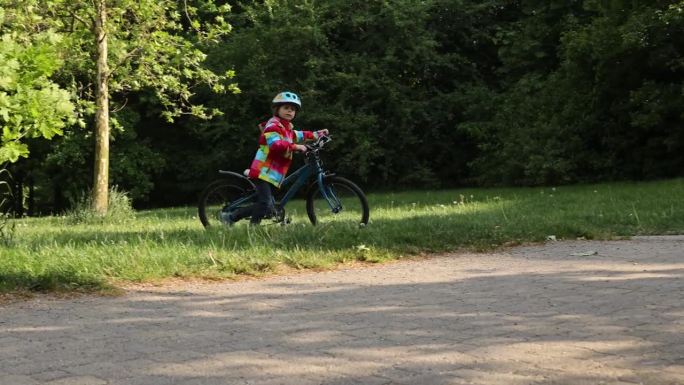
(372, 73)
(134, 162)
(155, 52)
(609, 107)
(150, 47)
(443, 92)
(429, 93)
(31, 104)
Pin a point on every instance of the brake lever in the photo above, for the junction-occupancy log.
(318, 144)
(324, 139)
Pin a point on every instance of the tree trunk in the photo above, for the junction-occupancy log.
(101, 174)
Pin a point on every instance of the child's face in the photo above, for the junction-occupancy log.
(287, 111)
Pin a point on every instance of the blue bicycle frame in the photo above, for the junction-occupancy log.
(296, 181)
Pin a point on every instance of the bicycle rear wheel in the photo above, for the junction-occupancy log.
(218, 197)
(341, 201)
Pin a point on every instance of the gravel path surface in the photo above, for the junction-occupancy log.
(578, 312)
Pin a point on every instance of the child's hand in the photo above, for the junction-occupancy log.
(300, 148)
(323, 132)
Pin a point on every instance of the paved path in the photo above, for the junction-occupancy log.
(531, 315)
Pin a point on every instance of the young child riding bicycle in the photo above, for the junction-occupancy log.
(277, 143)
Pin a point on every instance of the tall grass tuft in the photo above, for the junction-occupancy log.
(7, 227)
(120, 209)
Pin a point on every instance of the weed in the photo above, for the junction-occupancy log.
(7, 226)
(120, 210)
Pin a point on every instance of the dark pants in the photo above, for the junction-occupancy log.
(261, 208)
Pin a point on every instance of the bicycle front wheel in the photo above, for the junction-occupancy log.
(339, 201)
(217, 198)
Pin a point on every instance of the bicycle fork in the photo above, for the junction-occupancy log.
(328, 193)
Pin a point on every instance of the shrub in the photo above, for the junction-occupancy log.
(120, 209)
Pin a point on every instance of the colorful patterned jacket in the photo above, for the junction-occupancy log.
(276, 145)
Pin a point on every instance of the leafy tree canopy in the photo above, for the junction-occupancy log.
(31, 103)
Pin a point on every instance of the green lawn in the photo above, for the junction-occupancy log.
(54, 254)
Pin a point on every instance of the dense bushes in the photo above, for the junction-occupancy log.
(431, 93)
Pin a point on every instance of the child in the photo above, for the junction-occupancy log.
(277, 143)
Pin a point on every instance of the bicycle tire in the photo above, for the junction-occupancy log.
(353, 203)
(215, 197)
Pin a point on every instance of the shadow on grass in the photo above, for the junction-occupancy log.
(433, 231)
(169, 213)
(52, 281)
(512, 327)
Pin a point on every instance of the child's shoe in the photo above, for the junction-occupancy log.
(227, 219)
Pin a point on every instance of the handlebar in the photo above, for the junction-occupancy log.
(319, 143)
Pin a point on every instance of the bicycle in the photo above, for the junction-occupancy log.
(329, 198)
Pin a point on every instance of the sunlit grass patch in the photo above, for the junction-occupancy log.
(54, 253)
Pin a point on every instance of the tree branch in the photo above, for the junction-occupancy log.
(83, 21)
(124, 60)
(185, 2)
(122, 106)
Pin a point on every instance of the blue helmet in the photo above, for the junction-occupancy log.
(287, 97)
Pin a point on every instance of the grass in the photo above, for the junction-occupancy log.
(58, 254)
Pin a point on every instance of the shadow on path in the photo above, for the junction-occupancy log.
(534, 315)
